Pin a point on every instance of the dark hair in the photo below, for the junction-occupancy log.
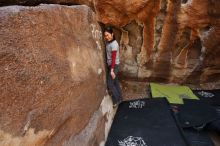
(110, 30)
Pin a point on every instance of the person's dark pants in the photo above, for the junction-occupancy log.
(113, 85)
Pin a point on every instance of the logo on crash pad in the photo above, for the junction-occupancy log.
(137, 104)
(206, 94)
(132, 141)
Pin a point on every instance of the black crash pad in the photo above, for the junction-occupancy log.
(195, 116)
(197, 138)
(195, 132)
(145, 122)
(215, 125)
(195, 113)
(211, 97)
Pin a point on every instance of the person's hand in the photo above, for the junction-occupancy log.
(113, 74)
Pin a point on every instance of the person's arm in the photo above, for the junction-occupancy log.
(113, 64)
(113, 59)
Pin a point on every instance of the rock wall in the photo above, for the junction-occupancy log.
(52, 76)
(58, 48)
(169, 41)
(172, 41)
(166, 40)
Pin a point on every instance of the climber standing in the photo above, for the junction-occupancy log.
(112, 52)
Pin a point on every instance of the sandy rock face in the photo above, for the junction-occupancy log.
(52, 73)
(163, 40)
(170, 41)
(166, 40)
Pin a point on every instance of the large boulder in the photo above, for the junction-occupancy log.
(172, 41)
(52, 74)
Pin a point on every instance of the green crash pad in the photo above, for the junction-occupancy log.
(174, 94)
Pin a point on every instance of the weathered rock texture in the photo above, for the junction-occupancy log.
(52, 75)
(174, 41)
(168, 40)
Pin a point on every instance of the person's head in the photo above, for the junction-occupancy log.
(108, 34)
